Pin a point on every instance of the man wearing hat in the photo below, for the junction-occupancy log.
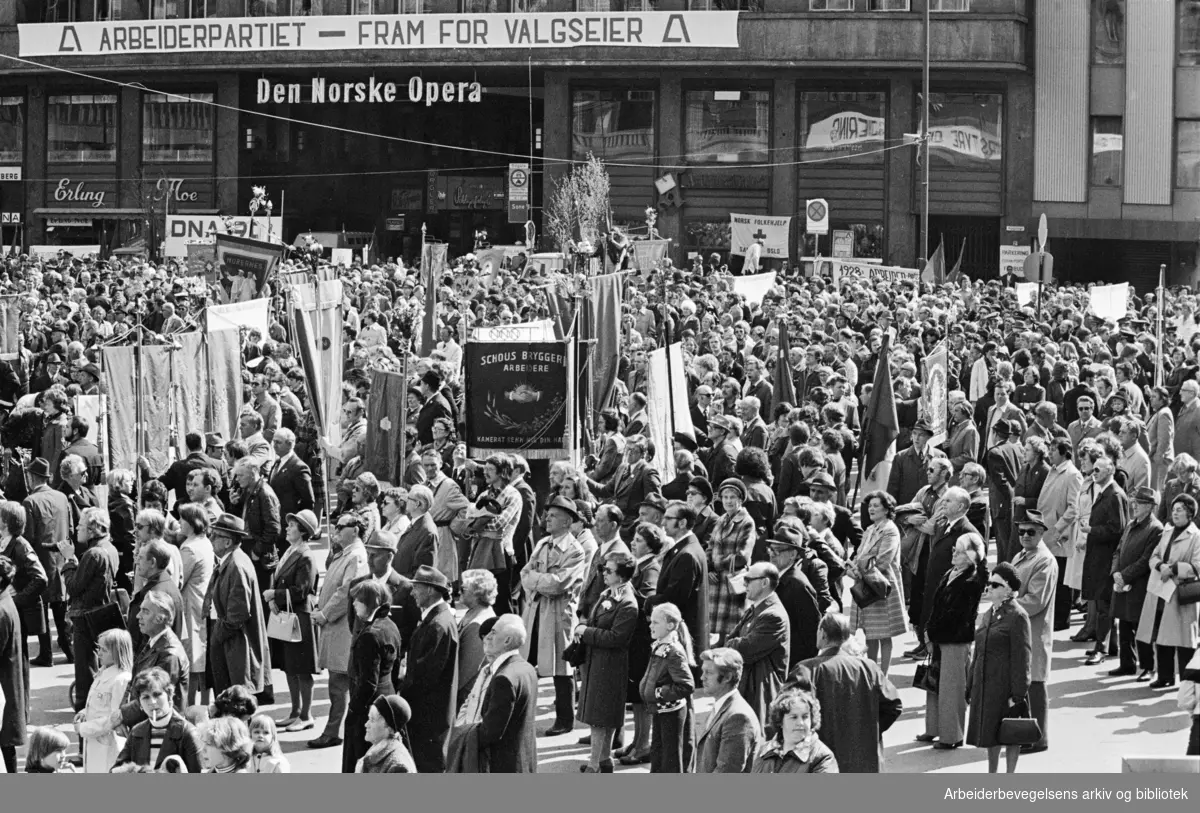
(1038, 571)
(797, 594)
(552, 579)
(1003, 465)
(238, 641)
(430, 683)
(909, 467)
(405, 614)
(721, 459)
(48, 522)
(433, 406)
(846, 528)
(1131, 576)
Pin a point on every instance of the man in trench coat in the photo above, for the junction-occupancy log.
(1038, 569)
(237, 645)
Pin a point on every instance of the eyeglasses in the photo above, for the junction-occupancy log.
(749, 579)
(1028, 532)
(610, 571)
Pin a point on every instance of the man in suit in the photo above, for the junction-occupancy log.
(1131, 577)
(1003, 464)
(1086, 426)
(1038, 571)
(418, 544)
(683, 580)
(259, 509)
(151, 568)
(730, 737)
(631, 486)
(762, 637)
(502, 705)
(433, 405)
(175, 477)
(797, 594)
(48, 523)
(523, 535)
(430, 683)
(1187, 424)
(948, 524)
(250, 429)
(160, 647)
(1004, 410)
(238, 641)
(908, 467)
(754, 432)
(291, 480)
(846, 528)
(608, 540)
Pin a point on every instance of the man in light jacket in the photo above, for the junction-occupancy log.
(1036, 566)
(1057, 503)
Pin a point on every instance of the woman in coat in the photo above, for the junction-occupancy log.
(795, 716)
(998, 682)
(121, 514)
(29, 583)
(196, 571)
(1030, 479)
(100, 744)
(729, 549)
(950, 631)
(883, 620)
(648, 544)
(373, 654)
(607, 635)
(295, 590)
(1088, 452)
(333, 640)
(1169, 625)
(12, 670)
(479, 591)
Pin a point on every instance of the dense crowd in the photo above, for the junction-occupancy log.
(1066, 481)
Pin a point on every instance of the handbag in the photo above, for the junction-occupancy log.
(575, 653)
(1192, 670)
(928, 675)
(110, 616)
(1021, 729)
(1187, 592)
(284, 625)
(872, 587)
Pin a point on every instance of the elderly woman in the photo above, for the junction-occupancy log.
(227, 745)
(999, 677)
(374, 650)
(479, 590)
(295, 591)
(1030, 479)
(1184, 478)
(796, 716)
(607, 634)
(880, 550)
(443, 442)
(1169, 625)
(730, 547)
(962, 447)
(950, 631)
(395, 521)
(198, 563)
(384, 733)
(121, 513)
(364, 500)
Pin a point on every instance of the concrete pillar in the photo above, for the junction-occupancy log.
(556, 139)
(1018, 154)
(129, 147)
(901, 228)
(229, 144)
(783, 178)
(670, 142)
(35, 161)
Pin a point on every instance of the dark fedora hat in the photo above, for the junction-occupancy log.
(1033, 518)
(702, 486)
(786, 537)
(1003, 427)
(1146, 494)
(563, 504)
(230, 524)
(39, 467)
(822, 479)
(432, 577)
(654, 500)
(922, 425)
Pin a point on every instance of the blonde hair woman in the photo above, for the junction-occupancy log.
(101, 744)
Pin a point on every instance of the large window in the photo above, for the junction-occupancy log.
(82, 11)
(966, 130)
(725, 5)
(1107, 151)
(388, 7)
(12, 130)
(1187, 154)
(178, 127)
(1189, 32)
(1108, 32)
(284, 8)
(831, 5)
(727, 126)
(889, 5)
(182, 9)
(949, 5)
(615, 5)
(82, 129)
(836, 124)
(502, 6)
(615, 125)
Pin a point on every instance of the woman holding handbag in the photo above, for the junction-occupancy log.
(1171, 623)
(950, 631)
(729, 550)
(998, 683)
(875, 569)
(295, 593)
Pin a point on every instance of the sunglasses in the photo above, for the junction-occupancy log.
(1028, 532)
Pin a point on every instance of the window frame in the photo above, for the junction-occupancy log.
(849, 6)
(847, 155)
(703, 87)
(651, 88)
(872, 3)
(22, 102)
(1179, 123)
(1179, 52)
(1092, 154)
(91, 97)
(193, 96)
(706, 5)
(935, 7)
(587, 6)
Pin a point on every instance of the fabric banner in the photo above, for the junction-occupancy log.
(317, 332)
(433, 265)
(383, 453)
(666, 394)
(516, 398)
(773, 231)
(784, 391)
(935, 268)
(95, 409)
(224, 364)
(254, 260)
(121, 382)
(1025, 292)
(649, 254)
(191, 375)
(490, 262)
(754, 287)
(186, 230)
(605, 329)
(935, 394)
(844, 272)
(1111, 302)
(157, 405)
(10, 322)
(254, 314)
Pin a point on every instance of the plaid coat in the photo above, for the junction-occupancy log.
(732, 539)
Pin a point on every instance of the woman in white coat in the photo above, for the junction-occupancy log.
(196, 570)
(101, 744)
(1172, 627)
(1087, 453)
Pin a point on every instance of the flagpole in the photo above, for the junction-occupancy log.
(670, 376)
(1159, 303)
(925, 140)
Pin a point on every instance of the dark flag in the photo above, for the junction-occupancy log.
(880, 425)
(785, 385)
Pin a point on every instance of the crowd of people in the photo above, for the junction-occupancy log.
(1066, 482)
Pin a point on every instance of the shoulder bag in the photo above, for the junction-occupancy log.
(284, 625)
(1187, 592)
(871, 587)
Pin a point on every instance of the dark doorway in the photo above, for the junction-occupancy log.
(981, 250)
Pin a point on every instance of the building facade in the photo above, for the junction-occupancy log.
(750, 106)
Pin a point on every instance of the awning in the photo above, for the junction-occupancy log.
(108, 214)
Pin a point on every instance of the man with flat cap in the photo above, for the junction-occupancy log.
(238, 641)
(721, 458)
(1038, 570)
(1131, 576)
(430, 683)
(381, 549)
(1003, 464)
(846, 528)
(797, 594)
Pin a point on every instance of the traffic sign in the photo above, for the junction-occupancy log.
(518, 193)
(817, 216)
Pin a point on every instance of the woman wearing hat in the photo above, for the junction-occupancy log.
(295, 590)
(374, 651)
(729, 550)
(1169, 625)
(383, 732)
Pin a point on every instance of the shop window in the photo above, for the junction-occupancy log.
(284, 8)
(1108, 32)
(83, 11)
(1107, 151)
(965, 130)
(831, 5)
(727, 126)
(82, 129)
(177, 127)
(949, 5)
(725, 5)
(836, 124)
(615, 5)
(1187, 154)
(889, 5)
(12, 130)
(388, 7)
(502, 6)
(1188, 25)
(614, 125)
(182, 9)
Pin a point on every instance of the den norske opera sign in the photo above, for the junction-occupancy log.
(651, 29)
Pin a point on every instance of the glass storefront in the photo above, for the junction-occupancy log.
(82, 129)
(614, 125)
(727, 126)
(179, 127)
